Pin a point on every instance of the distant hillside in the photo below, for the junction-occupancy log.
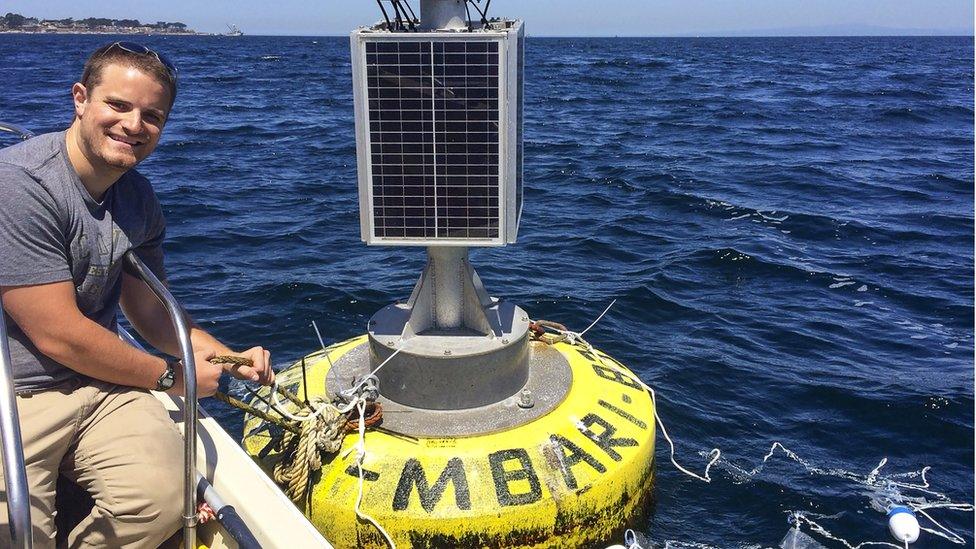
(15, 22)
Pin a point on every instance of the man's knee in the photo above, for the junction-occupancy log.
(161, 480)
(147, 513)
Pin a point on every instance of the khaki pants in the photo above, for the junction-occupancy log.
(120, 445)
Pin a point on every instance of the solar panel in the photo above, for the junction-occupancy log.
(434, 164)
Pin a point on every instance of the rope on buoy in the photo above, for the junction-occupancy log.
(559, 333)
(304, 450)
(231, 401)
(307, 437)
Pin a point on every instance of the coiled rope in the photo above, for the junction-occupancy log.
(319, 430)
(316, 430)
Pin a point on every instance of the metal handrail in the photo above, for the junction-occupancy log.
(13, 128)
(189, 395)
(12, 449)
(226, 515)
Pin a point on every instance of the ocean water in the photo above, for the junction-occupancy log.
(786, 224)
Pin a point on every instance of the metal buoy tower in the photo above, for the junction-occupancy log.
(439, 137)
(491, 436)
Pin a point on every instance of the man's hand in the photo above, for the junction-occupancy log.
(261, 370)
(208, 376)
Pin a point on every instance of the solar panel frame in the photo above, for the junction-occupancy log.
(506, 178)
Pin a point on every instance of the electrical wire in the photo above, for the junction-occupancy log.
(467, 11)
(385, 16)
(484, 21)
(402, 9)
(413, 16)
(399, 20)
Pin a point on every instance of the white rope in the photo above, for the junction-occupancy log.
(361, 454)
(945, 532)
(800, 516)
(871, 480)
(281, 408)
(714, 455)
(597, 319)
(360, 404)
(328, 356)
(371, 374)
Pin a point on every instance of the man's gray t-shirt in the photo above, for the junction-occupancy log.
(51, 230)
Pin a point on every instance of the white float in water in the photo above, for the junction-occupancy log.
(902, 524)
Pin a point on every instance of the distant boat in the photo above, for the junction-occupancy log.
(234, 31)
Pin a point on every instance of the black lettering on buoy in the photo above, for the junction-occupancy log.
(503, 478)
(413, 474)
(614, 375)
(566, 461)
(371, 476)
(605, 439)
(638, 422)
(588, 355)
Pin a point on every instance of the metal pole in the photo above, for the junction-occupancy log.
(448, 263)
(443, 15)
(14, 470)
(190, 397)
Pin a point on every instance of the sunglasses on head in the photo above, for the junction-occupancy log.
(133, 47)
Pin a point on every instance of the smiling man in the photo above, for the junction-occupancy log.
(72, 206)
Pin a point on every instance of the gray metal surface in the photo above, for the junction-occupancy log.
(446, 264)
(189, 395)
(450, 368)
(449, 295)
(548, 382)
(442, 14)
(14, 470)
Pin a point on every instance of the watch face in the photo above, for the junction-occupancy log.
(167, 379)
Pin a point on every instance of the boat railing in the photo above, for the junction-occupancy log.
(226, 514)
(23, 133)
(11, 443)
(14, 470)
(189, 395)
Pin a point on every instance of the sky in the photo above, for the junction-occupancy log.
(548, 17)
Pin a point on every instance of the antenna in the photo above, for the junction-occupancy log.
(439, 144)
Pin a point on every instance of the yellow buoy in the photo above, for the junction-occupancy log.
(575, 475)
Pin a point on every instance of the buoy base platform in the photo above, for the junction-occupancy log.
(565, 462)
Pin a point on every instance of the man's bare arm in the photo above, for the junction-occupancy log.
(49, 315)
(151, 319)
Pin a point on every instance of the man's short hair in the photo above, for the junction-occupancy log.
(110, 54)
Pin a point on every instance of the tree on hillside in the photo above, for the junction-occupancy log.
(92, 22)
(16, 20)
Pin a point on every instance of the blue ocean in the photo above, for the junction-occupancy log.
(786, 225)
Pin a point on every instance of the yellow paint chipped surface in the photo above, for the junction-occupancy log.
(570, 478)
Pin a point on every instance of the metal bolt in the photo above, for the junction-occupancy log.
(504, 341)
(447, 352)
(525, 399)
(525, 319)
(390, 343)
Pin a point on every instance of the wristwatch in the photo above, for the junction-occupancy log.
(168, 377)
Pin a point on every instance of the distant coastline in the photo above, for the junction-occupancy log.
(15, 23)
